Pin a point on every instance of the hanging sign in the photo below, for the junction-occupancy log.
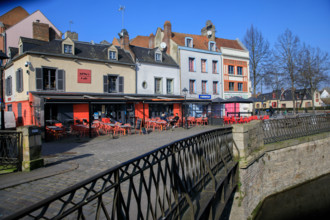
(84, 76)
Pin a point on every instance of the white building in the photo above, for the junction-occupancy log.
(157, 72)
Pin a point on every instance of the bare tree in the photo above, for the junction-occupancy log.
(286, 53)
(313, 69)
(259, 51)
(274, 78)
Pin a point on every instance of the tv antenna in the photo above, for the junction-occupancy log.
(70, 22)
(122, 9)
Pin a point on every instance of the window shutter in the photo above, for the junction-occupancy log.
(60, 80)
(10, 85)
(194, 61)
(7, 89)
(19, 113)
(39, 79)
(105, 84)
(19, 80)
(121, 84)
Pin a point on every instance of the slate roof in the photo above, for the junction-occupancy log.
(287, 95)
(83, 50)
(147, 55)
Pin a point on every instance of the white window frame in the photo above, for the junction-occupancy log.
(65, 46)
(214, 46)
(172, 85)
(158, 55)
(160, 85)
(111, 57)
(191, 42)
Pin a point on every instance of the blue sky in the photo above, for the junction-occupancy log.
(100, 20)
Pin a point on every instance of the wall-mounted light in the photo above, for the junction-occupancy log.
(27, 64)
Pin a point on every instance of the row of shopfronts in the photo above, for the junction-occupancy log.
(71, 109)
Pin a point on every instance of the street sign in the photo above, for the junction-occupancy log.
(204, 96)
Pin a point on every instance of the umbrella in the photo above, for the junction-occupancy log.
(217, 100)
(237, 99)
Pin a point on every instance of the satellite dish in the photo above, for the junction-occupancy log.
(209, 33)
(163, 45)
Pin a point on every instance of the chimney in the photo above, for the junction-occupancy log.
(209, 31)
(167, 35)
(151, 40)
(40, 31)
(124, 39)
(71, 35)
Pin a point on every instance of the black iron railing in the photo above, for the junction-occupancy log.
(10, 151)
(288, 128)
(157, 185)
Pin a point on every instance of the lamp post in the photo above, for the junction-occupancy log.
(2, 57)
(185, 91)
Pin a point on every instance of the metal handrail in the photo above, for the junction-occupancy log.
(158, 184)
(288, 128)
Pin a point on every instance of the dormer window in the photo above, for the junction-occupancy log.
(112, 55)
(212, 46)
(189, 42)
(68, 48)
(158, 57)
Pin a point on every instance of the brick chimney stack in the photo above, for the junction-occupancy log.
(151, 40)
(71, 35)
(124, 40)
(40, 31)
(209, 28)
(167, 35)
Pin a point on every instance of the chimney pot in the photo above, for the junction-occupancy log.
(167, 35)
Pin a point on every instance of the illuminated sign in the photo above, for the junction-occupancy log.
(84, 76)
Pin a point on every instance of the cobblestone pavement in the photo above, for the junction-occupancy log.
(90, 156)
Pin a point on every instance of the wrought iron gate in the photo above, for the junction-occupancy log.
(10, 150)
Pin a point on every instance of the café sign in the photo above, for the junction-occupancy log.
(84, 76)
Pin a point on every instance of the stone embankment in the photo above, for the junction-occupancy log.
(270, 169)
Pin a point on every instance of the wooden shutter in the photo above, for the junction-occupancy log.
(60, 80)
(39, 79)
(19, 80)
(19, 113)
(121, 84)
(105, 84)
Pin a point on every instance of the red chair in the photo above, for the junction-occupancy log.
(226, 119)
(233, 120)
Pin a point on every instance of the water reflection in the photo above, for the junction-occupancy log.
(307, 201)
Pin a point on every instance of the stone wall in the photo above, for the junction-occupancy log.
(277, 170)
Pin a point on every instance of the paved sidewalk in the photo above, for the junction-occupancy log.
(71, 161)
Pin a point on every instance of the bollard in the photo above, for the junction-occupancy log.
(31, 144)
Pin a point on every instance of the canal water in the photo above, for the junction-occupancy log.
(307, 201)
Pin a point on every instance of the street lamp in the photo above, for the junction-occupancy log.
(2, 57)
(185, 91)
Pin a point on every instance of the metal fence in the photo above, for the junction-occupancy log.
(288, 128)
(10, 150)
(157, 185)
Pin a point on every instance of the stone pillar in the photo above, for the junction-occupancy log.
(248, 138)
(31, 144)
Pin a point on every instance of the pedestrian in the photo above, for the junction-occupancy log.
(174, 121)
(271, 111)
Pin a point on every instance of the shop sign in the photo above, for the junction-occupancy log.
(84, 76)
(204, 96)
